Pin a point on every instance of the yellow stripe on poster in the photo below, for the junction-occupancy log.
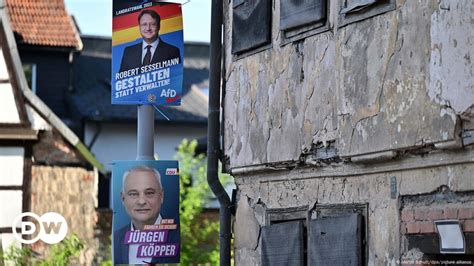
(133, 33)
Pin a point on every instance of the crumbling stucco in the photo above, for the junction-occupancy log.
(399, 79)
(383, 99)
(451, 80)
(248, 229)
(384, 240)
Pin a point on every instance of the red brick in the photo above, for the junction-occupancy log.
(407, 216)
(435, 215)
(450, 213)
(426, 227)
(413, 228)
(468, 226)
(465, 213)
(420, 215)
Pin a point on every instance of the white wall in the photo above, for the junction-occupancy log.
(11, 166)
(11, 205)
(3, 67)
(119, 141)
(11, 201)
(8, 109)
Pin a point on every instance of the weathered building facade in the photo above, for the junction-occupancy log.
(348, 126)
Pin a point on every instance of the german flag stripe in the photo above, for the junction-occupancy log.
(133, 33)
(131, 20)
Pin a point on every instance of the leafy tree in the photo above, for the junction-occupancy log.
(199, 237)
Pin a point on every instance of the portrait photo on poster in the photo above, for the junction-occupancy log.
(145, 202)
(147, 52)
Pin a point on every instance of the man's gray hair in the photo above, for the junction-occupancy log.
(142, 168)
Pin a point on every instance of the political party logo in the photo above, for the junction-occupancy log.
(50, 227)
(172, 171)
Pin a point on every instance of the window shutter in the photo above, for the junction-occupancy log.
(282, 244)
(251, 24)
(295, 13)
(335, 240)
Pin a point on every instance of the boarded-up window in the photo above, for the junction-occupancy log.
(326, 235)
(335, 240)
(355, 10)
(302, 18)
(296, 13)
(283, 244)
(251, 24)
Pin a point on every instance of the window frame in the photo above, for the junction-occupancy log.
(370, 11)
(307, 30)
(334, 210)
(258, 48)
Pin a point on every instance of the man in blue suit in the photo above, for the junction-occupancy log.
(152, 49)
(142, 195)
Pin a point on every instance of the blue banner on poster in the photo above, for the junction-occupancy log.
(145, 202)
(147, 53)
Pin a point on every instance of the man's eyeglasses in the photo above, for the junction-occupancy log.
(151, 25)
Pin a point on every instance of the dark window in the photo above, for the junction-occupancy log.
(283, 244)
(355, 10)
(348, 221)
(296, 13)
(302, 18)
(251, 24)
(326, 235)
(283, 219)
(335, 240)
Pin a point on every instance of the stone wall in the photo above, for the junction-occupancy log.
(71, 192)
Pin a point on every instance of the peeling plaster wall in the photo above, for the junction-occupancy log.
(450, 57)
(400, 81)
(394, 81)
(384, 241)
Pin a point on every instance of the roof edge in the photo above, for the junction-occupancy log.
(77, 34)
(34, 100)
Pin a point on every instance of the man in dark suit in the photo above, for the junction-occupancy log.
(152, 49)
(142, 195)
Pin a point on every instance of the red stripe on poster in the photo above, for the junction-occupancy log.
(131, 20)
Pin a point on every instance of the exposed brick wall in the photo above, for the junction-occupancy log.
(420, 220)
(71, 192)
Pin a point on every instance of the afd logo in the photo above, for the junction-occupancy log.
(51, 227)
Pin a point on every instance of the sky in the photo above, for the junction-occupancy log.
(95, 18)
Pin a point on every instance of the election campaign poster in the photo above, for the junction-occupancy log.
(147, 52)
(145, 203)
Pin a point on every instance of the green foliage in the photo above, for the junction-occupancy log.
(17, 256)
(63, 251)
(59, 255)
(199, 237)
(108, 259)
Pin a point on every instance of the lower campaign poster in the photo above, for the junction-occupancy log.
(146, 212)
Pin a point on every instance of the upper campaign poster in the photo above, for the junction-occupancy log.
(145, 202)
(147, 52)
